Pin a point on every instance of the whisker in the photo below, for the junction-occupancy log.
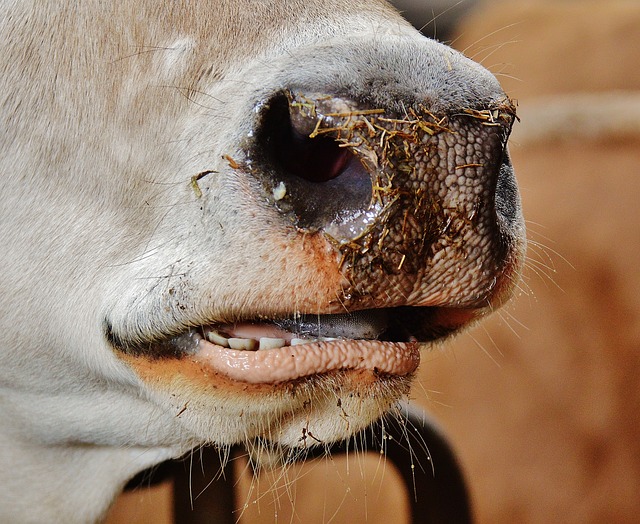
(484, 350)
(489, 35)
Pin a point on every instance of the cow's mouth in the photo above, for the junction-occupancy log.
(410, 221)
(272, 351)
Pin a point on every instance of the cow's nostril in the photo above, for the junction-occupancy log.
(318, 159)
(324, 181)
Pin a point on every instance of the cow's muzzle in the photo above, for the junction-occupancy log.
(422, 207)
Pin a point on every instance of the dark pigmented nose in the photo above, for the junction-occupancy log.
(404, 197)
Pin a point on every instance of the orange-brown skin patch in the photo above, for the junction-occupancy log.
(168, 373)
(187, 373)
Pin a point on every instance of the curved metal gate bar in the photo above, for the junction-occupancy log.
(412, 442)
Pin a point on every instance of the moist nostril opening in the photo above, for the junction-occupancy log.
(318, 159)
(324, 182)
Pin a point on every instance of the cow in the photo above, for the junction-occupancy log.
(230, 221)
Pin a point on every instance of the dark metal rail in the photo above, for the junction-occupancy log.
(431, 474)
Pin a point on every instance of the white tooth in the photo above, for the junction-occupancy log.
(247, 344)
(271, 343)
(218, 339)
(327, 339)
(300, 341)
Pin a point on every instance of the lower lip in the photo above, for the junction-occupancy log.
(292, 362)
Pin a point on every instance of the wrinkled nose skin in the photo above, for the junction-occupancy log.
(404, 168)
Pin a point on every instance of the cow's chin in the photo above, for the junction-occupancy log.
(275, 417)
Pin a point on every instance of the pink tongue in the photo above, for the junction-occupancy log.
(292, 362)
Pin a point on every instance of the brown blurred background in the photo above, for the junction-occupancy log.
(541, 402)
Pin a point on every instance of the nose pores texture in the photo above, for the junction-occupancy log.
(408, 200)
